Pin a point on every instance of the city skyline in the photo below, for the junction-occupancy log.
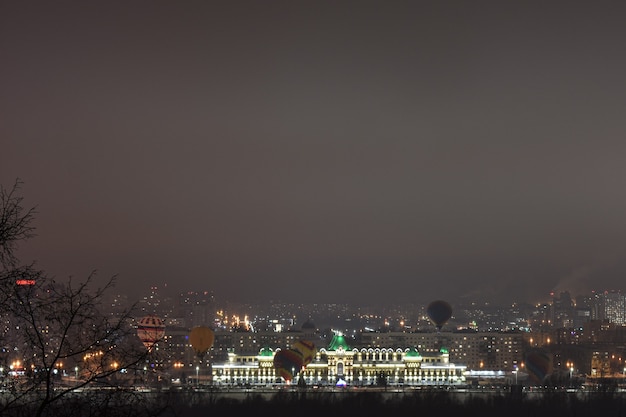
(563, 310)
(332, 152)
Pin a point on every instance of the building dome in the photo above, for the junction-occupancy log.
(412, 352)
(338, 342)
(266, 351)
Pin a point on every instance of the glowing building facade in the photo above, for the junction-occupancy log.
(339, 364)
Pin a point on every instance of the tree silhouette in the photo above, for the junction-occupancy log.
(56, 335)
(15, 224)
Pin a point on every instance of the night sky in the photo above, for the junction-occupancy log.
(321, 151)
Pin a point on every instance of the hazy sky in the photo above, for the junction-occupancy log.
(321, 151)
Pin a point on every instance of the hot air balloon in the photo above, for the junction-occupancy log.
(538, 365)
(201, 339)
(150, 330)
(439, 313)
(306, 349)
(287, 363)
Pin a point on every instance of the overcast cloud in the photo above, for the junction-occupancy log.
(323, 151)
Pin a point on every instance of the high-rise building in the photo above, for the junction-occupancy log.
(562, 310)
(614, 307)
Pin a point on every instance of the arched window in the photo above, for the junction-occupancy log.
(339, 368)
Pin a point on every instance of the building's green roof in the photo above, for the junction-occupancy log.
(443, 350)
(338, 342)
(412, 352)
(266, 352)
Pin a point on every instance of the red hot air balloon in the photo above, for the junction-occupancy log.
(439, 313)
(150, 330)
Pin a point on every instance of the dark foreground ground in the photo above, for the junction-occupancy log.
(326, 404)
(417, 404)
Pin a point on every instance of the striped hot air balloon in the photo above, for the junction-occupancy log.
(150, 330)
(306, 349)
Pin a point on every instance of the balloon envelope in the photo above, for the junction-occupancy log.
(150, 330)
(439, 312)
(306, 349)
(538, 365)
(287, 363)
(201, 339)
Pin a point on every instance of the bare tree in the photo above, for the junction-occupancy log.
(15, 226)
(15, 223)
(63, 353)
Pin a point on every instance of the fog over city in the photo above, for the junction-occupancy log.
(337, 152)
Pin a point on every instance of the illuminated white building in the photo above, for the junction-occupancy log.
(338, 363)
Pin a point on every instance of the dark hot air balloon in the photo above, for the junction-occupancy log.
(201, 339)
(287, 363)
(439, 313)
(538, 365)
